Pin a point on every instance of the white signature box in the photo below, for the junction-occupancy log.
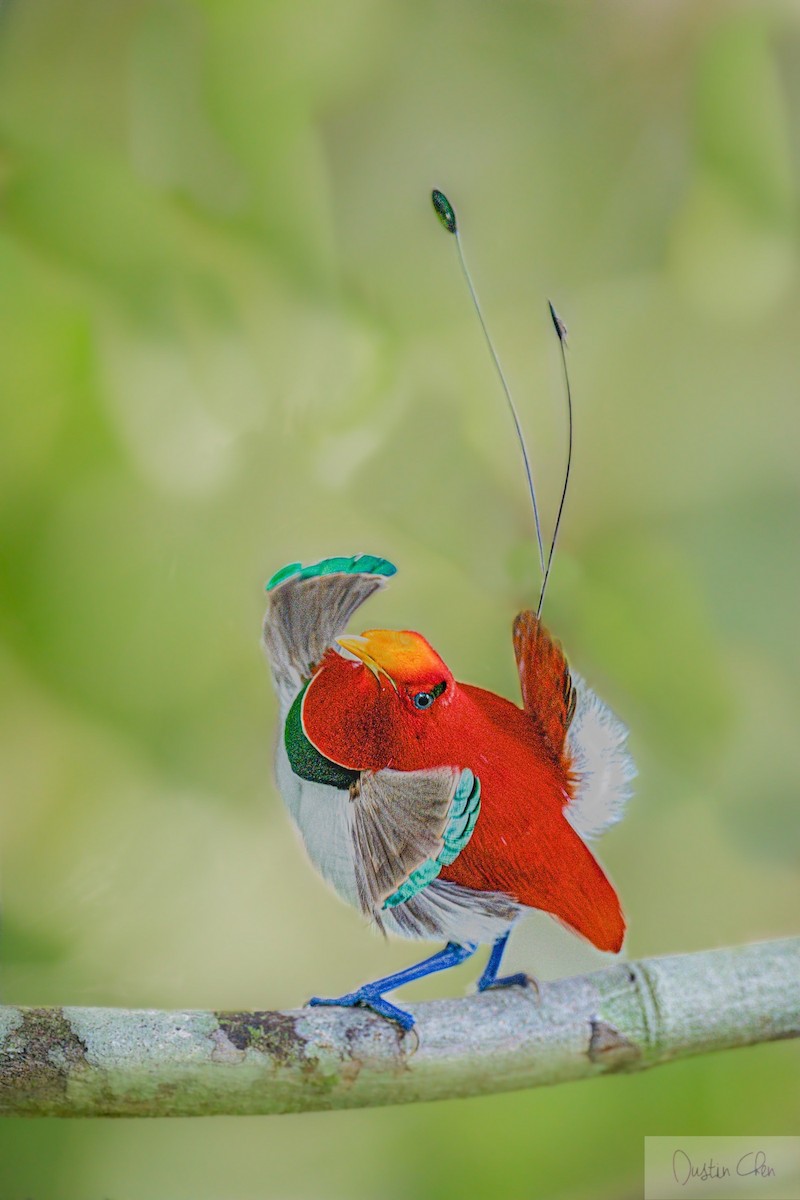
(722, 1168)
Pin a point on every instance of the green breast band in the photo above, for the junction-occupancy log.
(305, 759)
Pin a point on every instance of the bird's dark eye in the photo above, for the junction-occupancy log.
(424, 700)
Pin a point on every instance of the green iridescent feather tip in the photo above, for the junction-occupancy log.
(357, 564)
(464, 810)
(444, 211)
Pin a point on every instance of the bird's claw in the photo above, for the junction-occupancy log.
(366, 998)
(518, 980)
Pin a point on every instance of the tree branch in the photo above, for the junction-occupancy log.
(119, 1062)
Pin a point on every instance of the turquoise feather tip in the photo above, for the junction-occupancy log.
(358, 564)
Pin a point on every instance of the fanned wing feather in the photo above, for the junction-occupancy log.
(308, 611)
(399, 820)
(547, 691)
(445, 910)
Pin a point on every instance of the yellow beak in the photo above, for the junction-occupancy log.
(360, 647)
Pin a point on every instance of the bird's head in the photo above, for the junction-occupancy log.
(377, 702)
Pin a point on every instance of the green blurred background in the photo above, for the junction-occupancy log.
(232, 334)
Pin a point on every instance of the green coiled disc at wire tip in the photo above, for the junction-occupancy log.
(444, 210)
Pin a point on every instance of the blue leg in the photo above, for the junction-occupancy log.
(489, 977)
(371, 994)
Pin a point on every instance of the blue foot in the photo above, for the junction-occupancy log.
(366, 998)
(371, 994)
(518, 980)
(489, 979)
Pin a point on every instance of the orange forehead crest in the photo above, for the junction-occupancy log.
(404, 656)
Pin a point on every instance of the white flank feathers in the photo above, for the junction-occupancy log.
(601, 763)
(322, 817)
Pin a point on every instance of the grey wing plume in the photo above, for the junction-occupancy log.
(304, 617)
(398, 823)
(601, 764)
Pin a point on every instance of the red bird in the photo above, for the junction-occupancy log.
(442, 810)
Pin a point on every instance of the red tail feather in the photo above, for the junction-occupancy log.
(588, 904)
